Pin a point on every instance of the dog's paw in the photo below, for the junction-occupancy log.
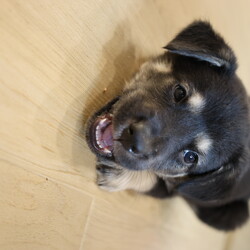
(109, 178)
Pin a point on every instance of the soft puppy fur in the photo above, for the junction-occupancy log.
(180, 127)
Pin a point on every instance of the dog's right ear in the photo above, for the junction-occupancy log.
(200, 41)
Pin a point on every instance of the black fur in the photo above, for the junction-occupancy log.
(160, 190)
(217, 186)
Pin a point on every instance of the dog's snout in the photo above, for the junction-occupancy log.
(136, 138)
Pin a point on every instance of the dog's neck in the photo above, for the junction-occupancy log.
(243, 187)
(249, 123)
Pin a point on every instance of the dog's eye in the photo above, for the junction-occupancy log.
(190, 157)
(179, 93)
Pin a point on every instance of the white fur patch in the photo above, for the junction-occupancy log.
(196, 102)
(203, 143)
(163, 175)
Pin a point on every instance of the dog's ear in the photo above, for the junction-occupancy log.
(200, 41)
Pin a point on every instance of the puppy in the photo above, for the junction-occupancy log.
(181, 127)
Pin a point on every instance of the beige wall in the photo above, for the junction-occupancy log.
(56, 57)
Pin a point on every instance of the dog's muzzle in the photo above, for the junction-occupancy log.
(136, 138)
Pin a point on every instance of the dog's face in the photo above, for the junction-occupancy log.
(184, 112)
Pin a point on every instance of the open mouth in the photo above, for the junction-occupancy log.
(102, 134)
(100, 130)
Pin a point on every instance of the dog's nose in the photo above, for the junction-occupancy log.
(136, 138)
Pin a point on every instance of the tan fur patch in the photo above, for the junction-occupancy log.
(141, 181)
(196, 102)
(203, 143)
(161, 67)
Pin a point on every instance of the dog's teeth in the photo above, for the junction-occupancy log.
(97, 138)
(106, 151)
(102, 122)
(99, 144)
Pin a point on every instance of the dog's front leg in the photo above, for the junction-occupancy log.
(226, 217)
(117, 179)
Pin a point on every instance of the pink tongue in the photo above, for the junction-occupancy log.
(107, 136)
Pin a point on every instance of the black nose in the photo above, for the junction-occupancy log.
(136, 138)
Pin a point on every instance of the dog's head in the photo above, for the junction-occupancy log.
(184, 112)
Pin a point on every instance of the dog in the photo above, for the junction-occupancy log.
(180, 127)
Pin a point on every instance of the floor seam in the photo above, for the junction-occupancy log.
(87, 223)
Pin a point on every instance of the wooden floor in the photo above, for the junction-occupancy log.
(56, 57)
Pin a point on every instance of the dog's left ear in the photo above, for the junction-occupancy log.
(200, 41)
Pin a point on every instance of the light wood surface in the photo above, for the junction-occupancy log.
(56, 57)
